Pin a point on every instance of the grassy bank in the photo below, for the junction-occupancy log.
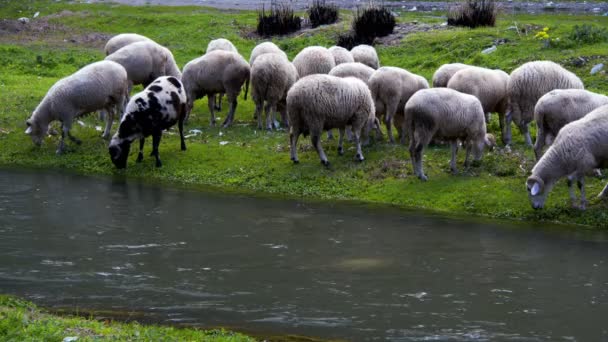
(243, 157)
(23, 321)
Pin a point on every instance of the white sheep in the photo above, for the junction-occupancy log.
(221, 44)
(158, 107)
(265, 47)
(527, 84)
(145, 61)
(314, 60)
(442, 76)
(216, 72)
(100, 85)
(123, 39)
(489, 86)
(391, 88)
(271, 77)
(449, 115)
(579, 147)
(341, 55)
(320, 102)
(557, 108)
(367, 55)
(355, 69)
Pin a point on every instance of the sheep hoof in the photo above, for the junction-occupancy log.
(59, 152)
(295, 161)
(158, 163)
(359, 157)
(183, 147)
(218, 108)
(325, 163)
(423, 178)
(341, 151)
(105, 136)
(140, 157)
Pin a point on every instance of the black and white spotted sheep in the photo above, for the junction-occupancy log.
(161, 105)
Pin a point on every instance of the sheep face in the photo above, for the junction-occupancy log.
(36, 131)
(119, 152)
(537, 192)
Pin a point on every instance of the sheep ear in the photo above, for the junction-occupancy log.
(535, 189)
(28, 130)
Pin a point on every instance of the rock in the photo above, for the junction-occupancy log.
(36, 15)
(70, 339)
(24, 20)
(489, 50)
(195, 131)
(597, 68)
(413, 9)
(596, 10)
(394, 14)
(444, 24)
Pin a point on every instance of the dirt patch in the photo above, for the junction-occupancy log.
(404, 29)
(43, 29)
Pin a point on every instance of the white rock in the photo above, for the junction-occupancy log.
(24, 20)
(489, 50)
(222, 143)
(70, 339)
(597, 68)
(36, 15)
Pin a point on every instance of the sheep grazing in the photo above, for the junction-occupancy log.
(579, 147)
(527, 84)
(442, 76)
(216, 72)
(124, 39)
(156, 108)
(320, 102)
(446, 114)
(341, 55)
(221, 44)
(265, 47)
(559, 107)
(100, 85)
(367, 55)
(271, 77)
(358, 70)
(314, 60)
(225, 45)
(391, 88)
(489, 86)
(145, 61)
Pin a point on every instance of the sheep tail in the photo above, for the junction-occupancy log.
(247, 87)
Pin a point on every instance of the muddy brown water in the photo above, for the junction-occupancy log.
(292, 267)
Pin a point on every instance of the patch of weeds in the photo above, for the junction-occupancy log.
(588, 34)
(280, 20)
(322, 13)
(473, 13)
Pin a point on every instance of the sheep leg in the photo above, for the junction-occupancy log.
(341, 141)
(269, 116)
(293, 141)
(275, 122)
(109, 116)
(388, 120)
(357, 137)
(349, 133)
(506, 134)
(330, 135)
(539, 144)
(581, 187)
(454, 153)
(571, 180)
(416, 156)
(258, 110)
(488, 117)
(284, 119)
(524, 129)
(180, 126)
(140, 155)
(218, 105)
(211, 105)
(230, 117)
(604, 193)
(467, 158)
(155, 142)
(61, 147)
(316, 142)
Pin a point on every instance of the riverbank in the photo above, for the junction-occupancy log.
(65, 37)
(23, 321)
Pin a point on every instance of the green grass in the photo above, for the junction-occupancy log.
(258, 161)
(23, 321)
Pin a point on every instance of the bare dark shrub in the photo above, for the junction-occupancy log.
(373, 21)
(473, 13)
(322, 13)
(279, 20)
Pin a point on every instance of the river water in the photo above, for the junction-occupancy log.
(291, 267)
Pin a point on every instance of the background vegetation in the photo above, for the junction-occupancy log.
(67, 36)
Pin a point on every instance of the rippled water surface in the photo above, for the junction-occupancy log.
(282, 266)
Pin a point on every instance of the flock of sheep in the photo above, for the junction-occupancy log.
(324, 89)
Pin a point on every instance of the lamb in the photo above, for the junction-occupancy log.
(321, 102)
(145, 61)
(559, 107)
(447, 114)
(156, 108)
(271, 77)
(100, 85)
(367, 55)
(391, 88)
(314, 60)
(442, 76)
(265, 47)
(579, 147)
(341, 55)
(221, 44)
(489, 86)
(358, 70)
(527, 84)
(216, 72)
(124, 39)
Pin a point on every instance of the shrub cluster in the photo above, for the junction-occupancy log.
(473, 13)
(322, 13)
(279, 20)
(370, 22)
(588, 34)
